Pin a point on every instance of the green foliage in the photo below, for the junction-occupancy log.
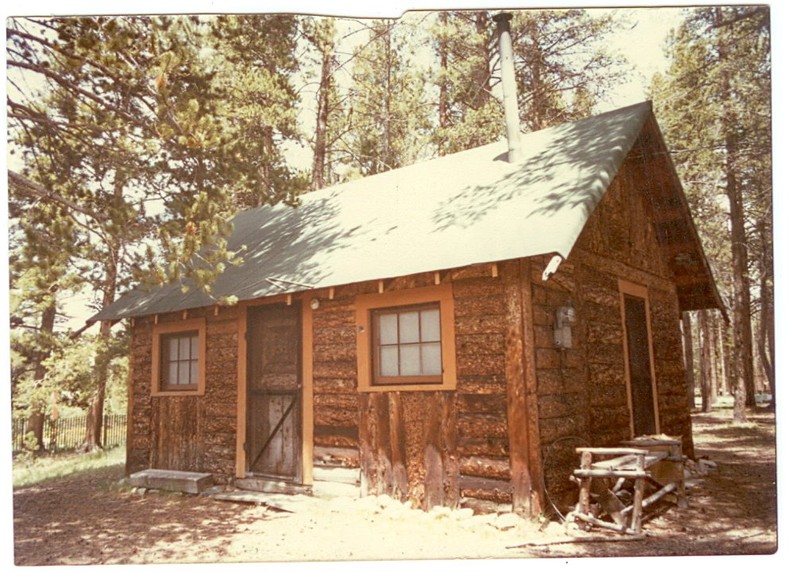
(387, 114)
(469, 115)
(256, 60)
(562, 68)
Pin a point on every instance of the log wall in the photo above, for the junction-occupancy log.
(192, 432)
(481, 318)
(582, 391)
(427, 447)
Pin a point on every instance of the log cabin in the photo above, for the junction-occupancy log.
(447, 332)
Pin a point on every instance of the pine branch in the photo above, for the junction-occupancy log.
(71, 87)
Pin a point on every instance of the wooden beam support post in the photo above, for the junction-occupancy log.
(523, 432)
(307, 391)
(241, 390)
(535, 465)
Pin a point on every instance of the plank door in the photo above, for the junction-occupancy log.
(273, 442)
(640, 368)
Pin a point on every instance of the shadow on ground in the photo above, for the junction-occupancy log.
(87, 518)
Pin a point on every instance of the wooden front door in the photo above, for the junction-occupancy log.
(640, 371)
(273, 442)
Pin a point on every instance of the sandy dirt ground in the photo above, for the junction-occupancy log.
(90, 518)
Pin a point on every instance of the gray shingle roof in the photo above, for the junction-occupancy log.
(467, 208)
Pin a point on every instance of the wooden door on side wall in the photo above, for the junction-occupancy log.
(273, 442)
(639, 365)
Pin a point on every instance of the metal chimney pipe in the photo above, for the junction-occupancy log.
(510, 106)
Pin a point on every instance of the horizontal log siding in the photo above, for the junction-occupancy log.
(336, 405)
(561, 375)
(193, 432)
(481, 393)
(432, 447)
(670, 369)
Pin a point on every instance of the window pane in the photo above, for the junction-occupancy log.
(431, 359)
(183, 372)
(389, 365)
(194, 353)
(429, 324)
(410, 360)
(388, 328)
(172, 377)
(409, 327)
(193, 372)
(173, 348)
(186, 347)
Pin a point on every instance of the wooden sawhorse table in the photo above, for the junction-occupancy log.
(657, 460)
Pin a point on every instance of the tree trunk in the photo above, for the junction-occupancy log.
(744, 392)
(712, 355)
(267, 135)
(706, 390)
(688, 356)
(46, 327)
(93, 438)
(537, 118)
(722, 358)
(482, 28)
(321, 129)
(766, 329)
(387, 161)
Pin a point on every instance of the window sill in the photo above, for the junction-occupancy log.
(406, 387)
(177, 393)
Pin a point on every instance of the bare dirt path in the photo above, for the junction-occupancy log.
(89, 519)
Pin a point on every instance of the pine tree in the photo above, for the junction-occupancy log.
(256, 58)
(563, 66)
(129, 141)
(715, 103)
(330, 122)
(388, 111)
(562, 69)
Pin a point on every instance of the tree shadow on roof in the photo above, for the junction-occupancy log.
(566, 168)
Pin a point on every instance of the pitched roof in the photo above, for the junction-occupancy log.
(466, 208)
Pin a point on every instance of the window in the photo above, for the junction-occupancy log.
(406, 340)
(179, 360)
(179, 357)
(407, 345)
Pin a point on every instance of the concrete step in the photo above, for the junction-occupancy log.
(174, 481)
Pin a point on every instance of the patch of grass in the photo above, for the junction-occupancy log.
(31, 471)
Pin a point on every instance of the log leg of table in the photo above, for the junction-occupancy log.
(586, 484)
(676, 452)
(638, 496)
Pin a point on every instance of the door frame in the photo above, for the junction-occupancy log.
(641, 292)
(306, 377)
